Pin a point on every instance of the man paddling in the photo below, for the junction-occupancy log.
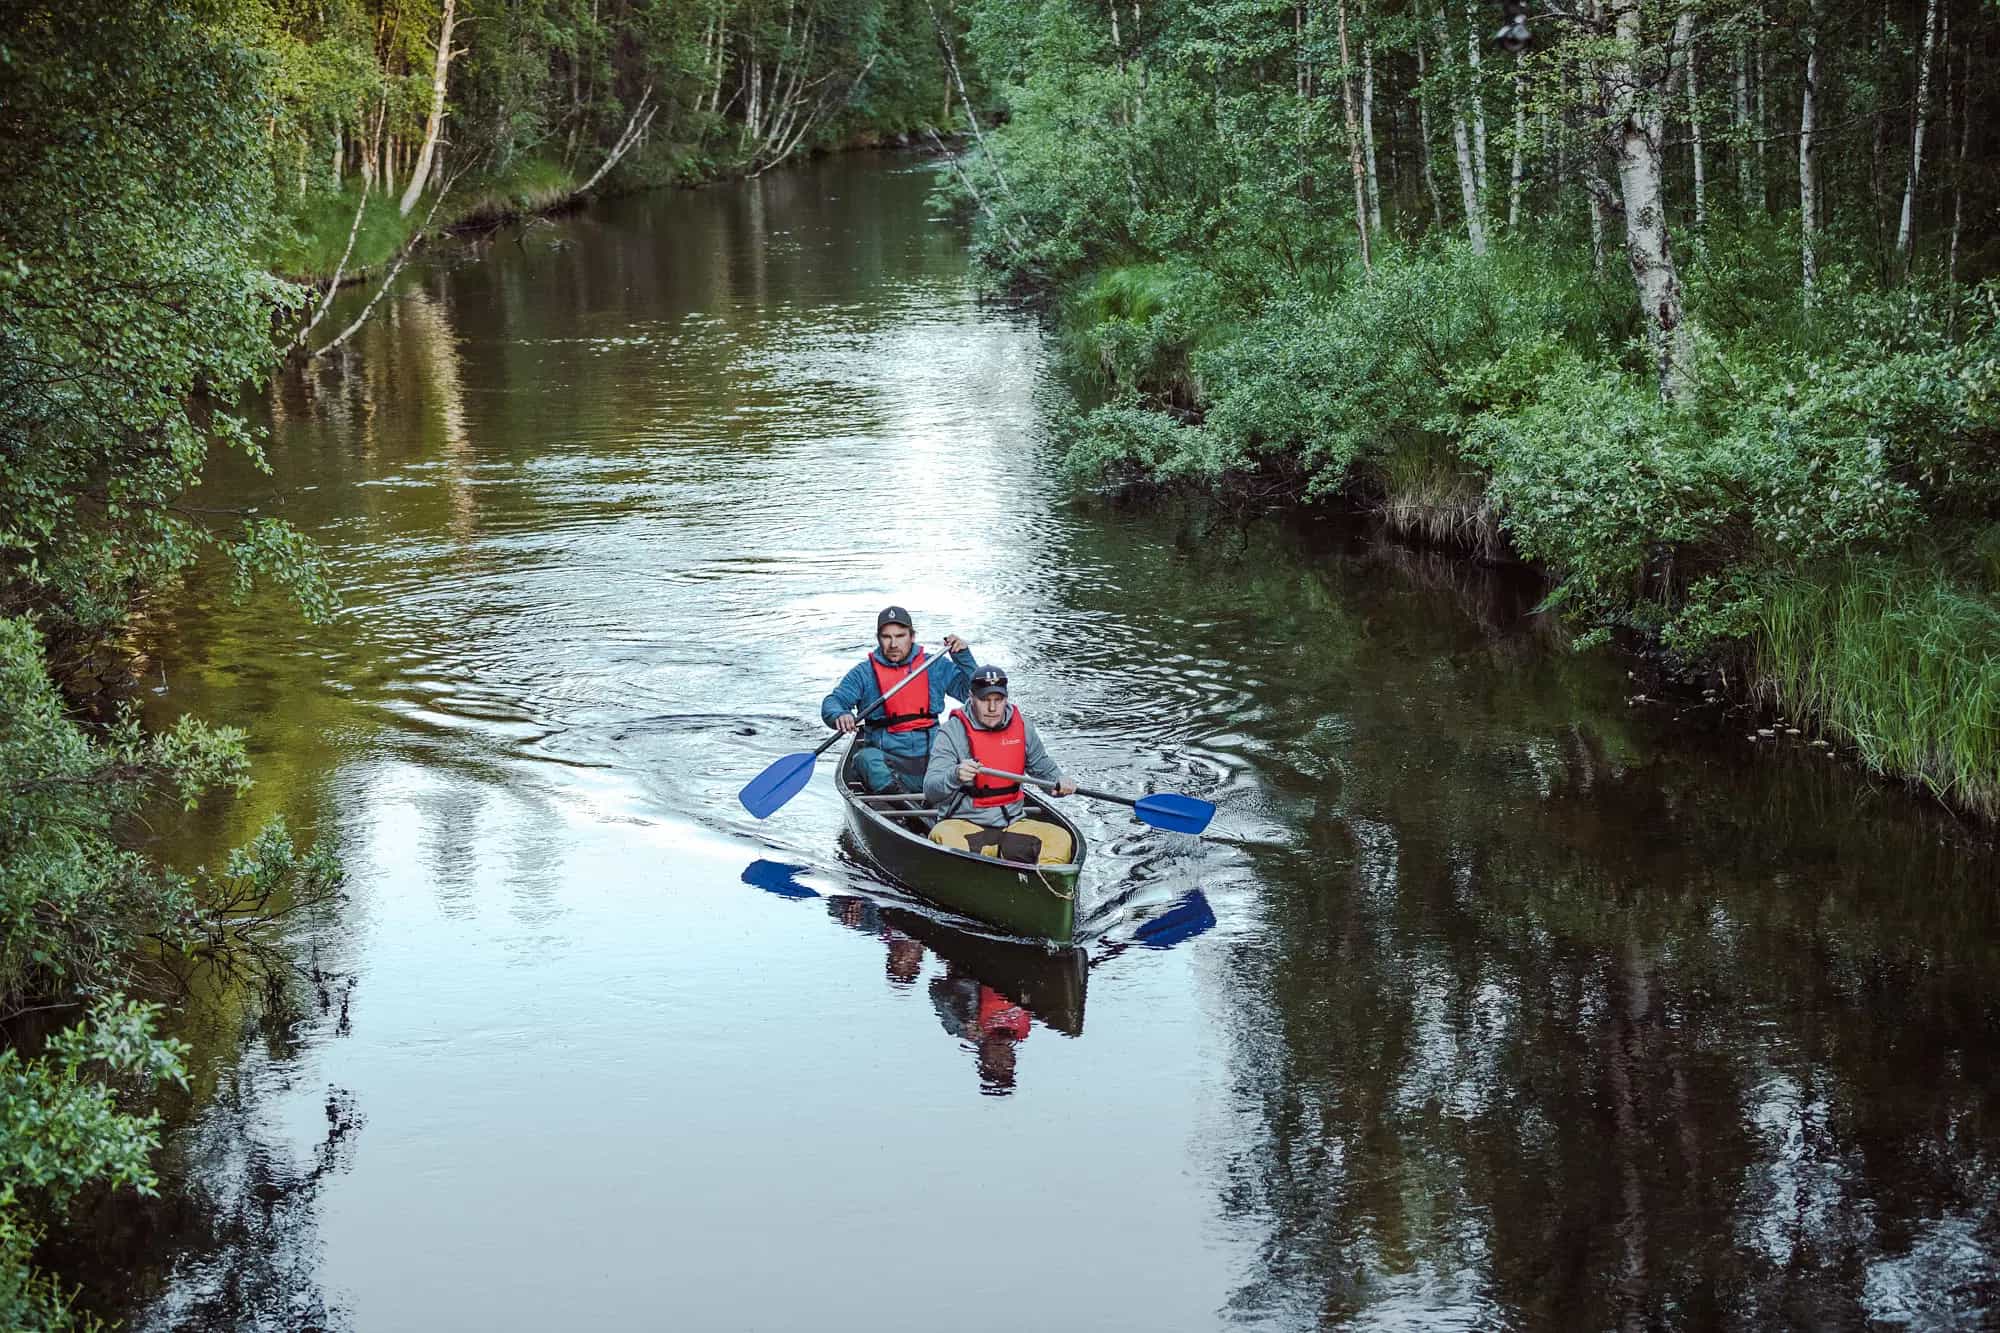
(896, 739)
(982, 813)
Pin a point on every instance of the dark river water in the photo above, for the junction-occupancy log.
(1505, 1001)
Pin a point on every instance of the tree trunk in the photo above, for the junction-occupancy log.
(420, 175)
(339, 155)
(1763, 116)
(1694, 134)
(1461, 143)
(1514, 174)
(1368, 133)
(1808, 183)
(1904, 228)
(1354, 161)
(1424, 144)
(1743, 131)
(1958, 175)
(1473, 10)
(1635, 96)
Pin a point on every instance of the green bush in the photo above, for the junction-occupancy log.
(61, 1132)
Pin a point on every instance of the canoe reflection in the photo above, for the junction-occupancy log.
(991, 991)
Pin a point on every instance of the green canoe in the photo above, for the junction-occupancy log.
(892, 831)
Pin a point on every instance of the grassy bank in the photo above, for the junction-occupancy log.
(306, 243)
(1817, 524)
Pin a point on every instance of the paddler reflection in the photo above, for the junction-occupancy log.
(990, 993)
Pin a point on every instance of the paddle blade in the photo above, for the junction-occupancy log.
(1174, 812)
(777, 784)
(1183, 921)
(777, 877)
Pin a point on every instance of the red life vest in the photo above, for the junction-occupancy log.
(1005, 749)
(910, 710)
(1000, 1016)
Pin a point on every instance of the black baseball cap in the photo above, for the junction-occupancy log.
(895, 615)
(988, 680)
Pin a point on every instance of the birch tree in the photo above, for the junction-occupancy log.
(1635, 82)
(1924, 61)
(1808, 181)
(420, 174)
(1461, 140)
(1353, 135)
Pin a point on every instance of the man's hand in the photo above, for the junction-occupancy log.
(845, 723)
(967, 771)
(1065, 788)
(953, 644)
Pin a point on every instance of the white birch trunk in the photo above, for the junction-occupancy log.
(1461, 142)
(1368, 133)
(1694, 134)
(425, 156)
(1639, 121)
(1904, 228)
(1478, 92)
(1514, 168)
(1763, 117)
(1808, 182)
(1354, 162)
(1743, 131)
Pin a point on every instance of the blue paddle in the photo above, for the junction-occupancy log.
(1167, 810)
(786, 777)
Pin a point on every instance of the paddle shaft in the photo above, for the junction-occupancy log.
(1050, 786)
(895, 689)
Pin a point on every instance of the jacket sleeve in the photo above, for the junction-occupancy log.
(941, 788)
(953, 676)
(846, 695)
(1040, 763)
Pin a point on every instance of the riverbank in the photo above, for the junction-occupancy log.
(1813, 533)
(308, 244)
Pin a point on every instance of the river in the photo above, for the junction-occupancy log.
(1505, 1000)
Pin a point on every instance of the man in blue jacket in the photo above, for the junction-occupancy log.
(896, 738)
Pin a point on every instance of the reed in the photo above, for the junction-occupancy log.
(1898, 662)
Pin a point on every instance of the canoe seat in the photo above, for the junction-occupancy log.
(890, 798)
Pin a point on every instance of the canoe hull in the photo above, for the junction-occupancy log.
(1039, 902)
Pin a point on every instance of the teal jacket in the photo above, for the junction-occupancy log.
(857, 692)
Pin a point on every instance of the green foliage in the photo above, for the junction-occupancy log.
(1897, 661)
(116, 318)
(1138, 327)
(61, 1131)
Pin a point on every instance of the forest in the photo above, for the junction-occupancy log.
(1687, 302)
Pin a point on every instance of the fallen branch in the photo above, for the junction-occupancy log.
(333, 283)
(389, 279)
(635, 130)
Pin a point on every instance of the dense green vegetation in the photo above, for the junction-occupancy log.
(537, 102)
(1683, 303)
(157, 164)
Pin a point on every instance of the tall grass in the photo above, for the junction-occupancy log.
(1900, 663)
(307, 245)
(1431, 495)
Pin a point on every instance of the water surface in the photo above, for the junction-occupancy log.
(1522, 1003)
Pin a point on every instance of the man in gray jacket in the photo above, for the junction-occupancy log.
(976, 808)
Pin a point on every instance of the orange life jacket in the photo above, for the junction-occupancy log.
(1005, 749)
(910, 710)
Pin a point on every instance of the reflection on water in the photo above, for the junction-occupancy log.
(1502, 999)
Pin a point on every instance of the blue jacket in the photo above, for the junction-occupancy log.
(857, 690)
